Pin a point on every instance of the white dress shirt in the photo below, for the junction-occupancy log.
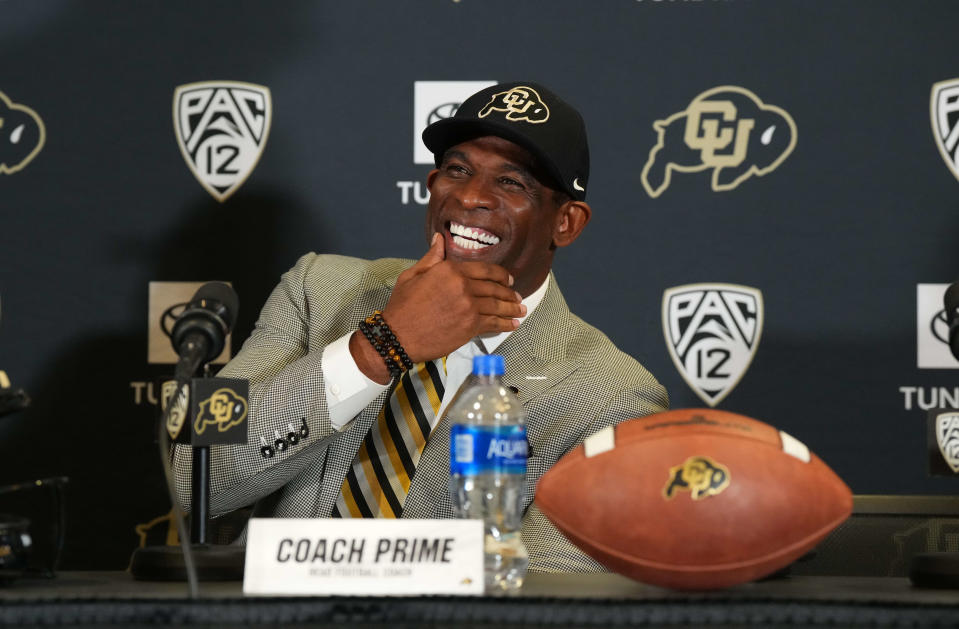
(349, 391)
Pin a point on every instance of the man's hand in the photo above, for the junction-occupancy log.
(438, 305)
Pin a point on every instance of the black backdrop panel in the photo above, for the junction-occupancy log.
(837, 237)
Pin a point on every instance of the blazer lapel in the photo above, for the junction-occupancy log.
(535, 356)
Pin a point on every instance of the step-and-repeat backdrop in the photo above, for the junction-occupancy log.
(774, 184)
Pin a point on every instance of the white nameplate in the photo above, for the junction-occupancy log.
(320, 557)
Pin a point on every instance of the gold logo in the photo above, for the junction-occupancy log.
(699, 475)
(22, 135)
(518, 103)
(727, 129)
(224, 409)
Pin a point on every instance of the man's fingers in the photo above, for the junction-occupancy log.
(486, 288)
(499, 308)
(486, 271)
(489, 325)
(435, 255)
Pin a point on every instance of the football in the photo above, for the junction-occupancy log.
(693, 499)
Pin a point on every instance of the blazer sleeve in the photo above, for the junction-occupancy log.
(282, 359)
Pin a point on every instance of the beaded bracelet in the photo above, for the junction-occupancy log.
(381, 337)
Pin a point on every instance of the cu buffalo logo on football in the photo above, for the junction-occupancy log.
(947, 436)
(221, 128)
(224, 409)
(944, 110)
(519, 103)
(712, 332)
(698, 475)
(727, 129)
(22, 135)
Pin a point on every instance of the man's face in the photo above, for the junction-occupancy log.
(488, 206)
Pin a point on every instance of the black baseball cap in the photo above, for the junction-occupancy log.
(529, 115)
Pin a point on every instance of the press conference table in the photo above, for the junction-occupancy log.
(114, 599)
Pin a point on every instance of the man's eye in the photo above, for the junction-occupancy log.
(511, 182)
(455, 168)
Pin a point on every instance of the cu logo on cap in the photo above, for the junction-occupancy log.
(519, 103)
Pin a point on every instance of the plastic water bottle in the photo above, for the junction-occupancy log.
(487, 468)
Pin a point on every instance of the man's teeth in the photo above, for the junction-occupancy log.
(468, 244)
(471, 237)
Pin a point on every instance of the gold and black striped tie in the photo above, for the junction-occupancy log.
(379, 478)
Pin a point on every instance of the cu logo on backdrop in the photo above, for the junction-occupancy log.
(712, 332)
(726, 129)
(22, 135)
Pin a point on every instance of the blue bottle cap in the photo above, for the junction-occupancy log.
(488, 365)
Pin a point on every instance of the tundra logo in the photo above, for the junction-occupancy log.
(726, 129)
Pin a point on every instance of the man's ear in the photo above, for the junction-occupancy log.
(570, 221)
(430, 178)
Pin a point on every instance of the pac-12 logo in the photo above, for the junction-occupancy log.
(947, 436)
(222, 127)
(944, 111)
(712, 332)
(727, 129)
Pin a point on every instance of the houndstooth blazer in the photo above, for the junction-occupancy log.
(570, 378)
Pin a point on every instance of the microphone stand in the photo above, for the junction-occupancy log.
(196, 559)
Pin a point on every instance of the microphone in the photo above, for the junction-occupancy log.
(200, 331)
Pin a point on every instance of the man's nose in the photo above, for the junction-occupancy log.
(476, 193)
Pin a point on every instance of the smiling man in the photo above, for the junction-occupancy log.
(353, 363)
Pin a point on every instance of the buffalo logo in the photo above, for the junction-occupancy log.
(160, 531)
(944, 111)
(727, 129)
(22, 135)
(947, 436)
(222, 127)
(518, 103)
(698, 475)
(224, 408)
(712, 332)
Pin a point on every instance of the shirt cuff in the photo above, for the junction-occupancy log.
(348, 390)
